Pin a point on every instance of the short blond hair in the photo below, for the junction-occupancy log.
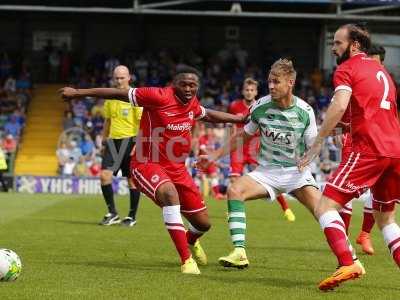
(283, 66)
(250, 81)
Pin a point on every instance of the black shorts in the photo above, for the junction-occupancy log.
(117, 155)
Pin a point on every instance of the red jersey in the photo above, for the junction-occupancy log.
(239, 108)
(165, 127)
(372, 110)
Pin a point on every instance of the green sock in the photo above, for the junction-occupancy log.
(237, 222)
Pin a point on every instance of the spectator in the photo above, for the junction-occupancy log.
(79, 109)
(95, 168)
(9, 144)
(69, 166)
(75, 151)
(81, 168)
(87, 146)
(68, 121)
(5, 65)
(10, 85)
(98, 108)
(54, 63)
(63, 155)
(3, 169)
(13, 127)
(98, 123)
(323, 100)
(110, 65)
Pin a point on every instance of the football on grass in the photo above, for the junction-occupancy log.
(10, 265)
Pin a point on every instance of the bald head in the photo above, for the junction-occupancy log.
(121, 77)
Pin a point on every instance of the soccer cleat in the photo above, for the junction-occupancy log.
(198, 253)
(236, 259)
(110, 219)
(190, 267)
(289, 215)
(358, 262)
(364, 240)
(342, 274)
(128, 222)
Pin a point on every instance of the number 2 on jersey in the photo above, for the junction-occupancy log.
(384, 103)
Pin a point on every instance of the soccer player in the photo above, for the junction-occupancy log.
(120, 129)
(246, 154)
(366, 92)
(163, 144)
(376, 52)
(287, 126)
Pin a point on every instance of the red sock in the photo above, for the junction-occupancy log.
(346, 220)
(282, 202)
(368, 222)
(334, 231)
(338, 243)
(396, 256)
(173, 223)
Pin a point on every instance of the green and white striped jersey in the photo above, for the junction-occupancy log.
(285, 134)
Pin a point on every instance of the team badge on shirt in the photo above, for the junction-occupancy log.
(155, 178)
(191, 116)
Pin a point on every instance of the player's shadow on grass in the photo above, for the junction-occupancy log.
(79, 222)
(161, 266)
(262, 281)
(279, 249)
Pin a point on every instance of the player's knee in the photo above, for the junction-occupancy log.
(167, 194)
(105, 177)
(204, 226)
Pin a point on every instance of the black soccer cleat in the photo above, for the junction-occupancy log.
(128, 222)
(110, 219)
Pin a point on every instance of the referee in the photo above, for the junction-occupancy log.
(120, 128)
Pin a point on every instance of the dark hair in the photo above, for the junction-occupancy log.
(187, 70)
(359, 33)
(376, 49)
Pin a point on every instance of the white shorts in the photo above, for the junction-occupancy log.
(278, 180)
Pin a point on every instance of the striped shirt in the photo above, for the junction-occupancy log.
(285, 133)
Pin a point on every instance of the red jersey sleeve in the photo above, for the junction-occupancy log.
(231, 108)
(198, 110)
(342, 78)
(148, 97)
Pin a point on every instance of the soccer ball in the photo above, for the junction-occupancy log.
(10, 265)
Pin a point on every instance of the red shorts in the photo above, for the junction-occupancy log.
(240, 159)
(148, 177)
(356, 173)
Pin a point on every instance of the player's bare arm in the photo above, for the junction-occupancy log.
(334, 114)
(68, 93)
(214, 116)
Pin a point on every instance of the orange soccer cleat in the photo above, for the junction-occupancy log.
(342, 274)
(364, 240)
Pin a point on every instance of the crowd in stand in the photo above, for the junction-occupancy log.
(223, 74)
(15, 95)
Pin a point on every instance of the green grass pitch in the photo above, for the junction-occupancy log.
(66, 255)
